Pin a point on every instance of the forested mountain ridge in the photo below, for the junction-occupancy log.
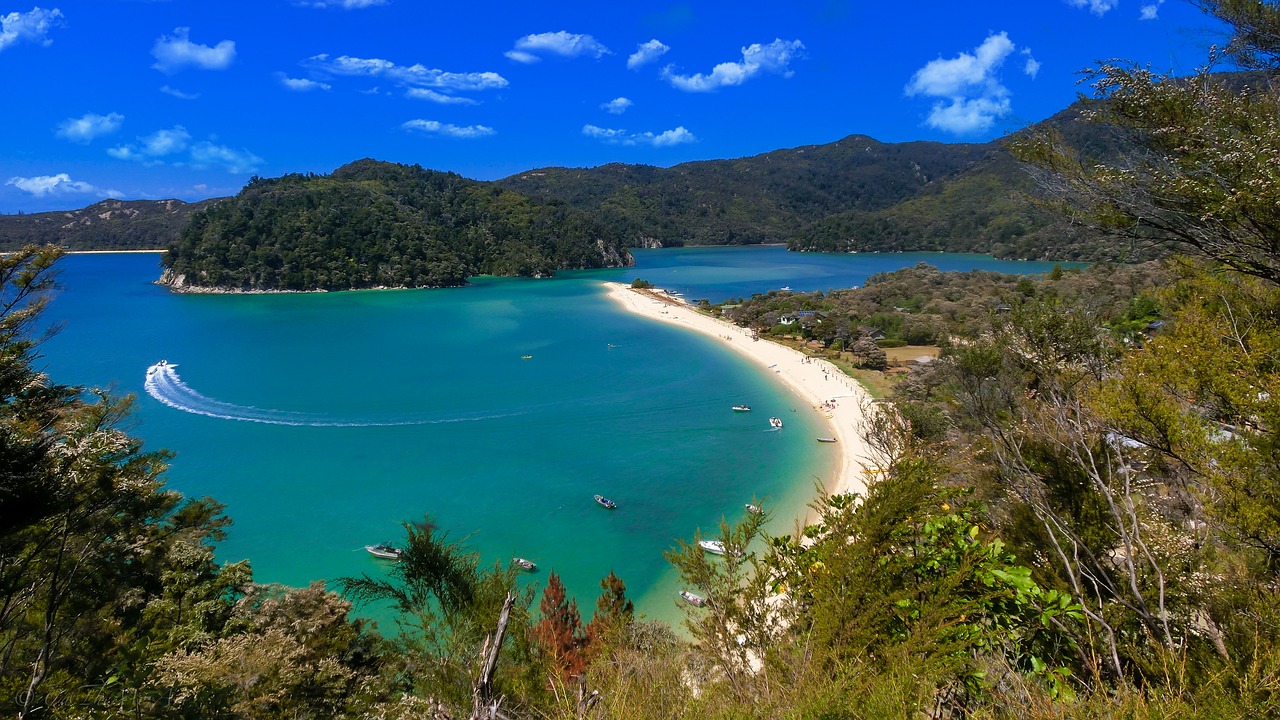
(856, 194)
(759, 199)
(107, 225)
(375, 224)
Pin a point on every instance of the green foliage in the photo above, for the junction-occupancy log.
(372, 224)
(922, 306)
(448, 609)
(736, 625)
(931, 585)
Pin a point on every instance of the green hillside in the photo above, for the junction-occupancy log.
(108, 225)
(375, 224)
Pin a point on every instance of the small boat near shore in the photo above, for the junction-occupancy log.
(694, 600)
(826, 439)
(775, 423)
(385, 551)
(524, 564)
(754, 509)
(742, 408)
(716, 547)
(606, 503)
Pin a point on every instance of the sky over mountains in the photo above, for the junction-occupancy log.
(150, 99)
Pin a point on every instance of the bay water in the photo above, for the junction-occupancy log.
(326, 421)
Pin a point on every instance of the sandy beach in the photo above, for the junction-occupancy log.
(835, 397)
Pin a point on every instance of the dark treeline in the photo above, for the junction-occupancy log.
(373, 224)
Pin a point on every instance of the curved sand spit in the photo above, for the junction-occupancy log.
(828, 391)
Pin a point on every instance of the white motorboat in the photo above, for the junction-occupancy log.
(715, 547)
(385, 551)
(694, 600)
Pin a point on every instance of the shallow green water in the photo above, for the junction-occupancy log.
(324, 421)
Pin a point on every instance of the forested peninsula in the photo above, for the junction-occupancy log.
(373, 224)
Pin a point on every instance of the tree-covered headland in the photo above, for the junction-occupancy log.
(372, 224)
(1075, 510)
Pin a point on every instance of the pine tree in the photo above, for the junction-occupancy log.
(613, 609)
(559, 632)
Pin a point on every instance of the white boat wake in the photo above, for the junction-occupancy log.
(164, 384)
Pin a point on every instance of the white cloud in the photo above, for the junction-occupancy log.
(59, 184)
(606, 134)
(675, 136)
(1097, 7)
(774, 58)
(971, 96)
(437, 128)
(965, 116)
(166, 142)
(174, 52)
(1032, 67)
(174, 146)
(179, 94)
(233, 161)
(617, 106)
(965, 72)
(646, 53)
(668, 138)
(522, 57)
(564, 44)
(301, 84)
(441, 98)
(31, 26)
(344, 4)
(154, 147)
(85, 129)
(1151, 11)
(415, 75)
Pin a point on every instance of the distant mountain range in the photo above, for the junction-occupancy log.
(856, 194)
(108, 225)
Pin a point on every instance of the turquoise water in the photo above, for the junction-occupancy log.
(325, 421)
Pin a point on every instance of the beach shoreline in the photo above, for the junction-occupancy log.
(836, 398)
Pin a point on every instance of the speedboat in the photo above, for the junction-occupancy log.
(160, 366)
(826, 439)
(526, 357)
(606, 503)
(742, 408)
(385, 551)
(694, 600)
(775, 423)
(524, 564)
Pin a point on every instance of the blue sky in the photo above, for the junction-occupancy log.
(139, 99)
